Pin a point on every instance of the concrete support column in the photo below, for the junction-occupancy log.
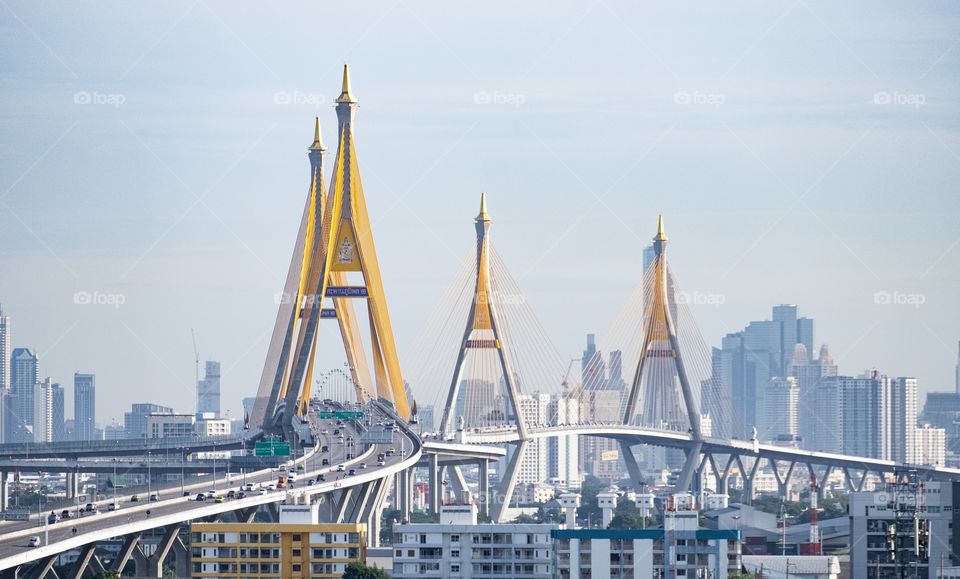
(4, 490)
(73, 487)
(484, 486)
(434, 478)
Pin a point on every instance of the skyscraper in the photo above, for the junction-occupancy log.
(779, 422)
(865, 404)
(903, 419)
(5, 341)
(745, 363)
(208, 389)
(58, 413)
(810, 374)
(24, 373)
(43, 412)
(84, 406)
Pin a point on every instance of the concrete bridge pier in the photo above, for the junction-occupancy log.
(484, 486)
(4, 490)
(73, 486)
(434, 483)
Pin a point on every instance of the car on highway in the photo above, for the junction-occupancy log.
(112, 507)
(340, 468)
(154, 498)
(381, 462)
(231, 493)
(64, 514)
(135, 499)
(325, 448)
(311, 482)
(248, 487)
(33, 541)
(218, 500)
(52, 518)
(352, 472)
(325, 462)
(201, 497)
(363, 465)
(262, 492)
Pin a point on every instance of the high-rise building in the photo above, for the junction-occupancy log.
(58, 413)
(779, 422)
(208, 389)
(930, 446)
(810, 374)
(745, 363)
(24, 376)
(5, 351)
(135, 421)
(903, 419)
(593, 371)
(43, 426)
(535, 462)
(84, 406)
(564, 465)
(957, 371)
(865, 407)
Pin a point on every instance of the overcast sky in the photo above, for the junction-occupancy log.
(154, 154)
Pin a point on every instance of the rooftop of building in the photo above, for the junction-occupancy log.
(632, 534)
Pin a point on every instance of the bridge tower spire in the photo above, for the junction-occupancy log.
(335, 241)
(483, 317)
(660, 346)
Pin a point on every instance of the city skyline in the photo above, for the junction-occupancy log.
(156, 262)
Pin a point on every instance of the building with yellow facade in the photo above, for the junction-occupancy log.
(296, 547)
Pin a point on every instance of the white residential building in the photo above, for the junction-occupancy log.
(780, 417)
(170, 425)
(929, 446)
(534, 466)
(460, 548)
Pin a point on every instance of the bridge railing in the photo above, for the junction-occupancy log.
(28, 449)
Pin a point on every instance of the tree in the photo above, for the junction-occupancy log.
(358, 570)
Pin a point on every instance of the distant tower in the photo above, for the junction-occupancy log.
(5, 341)
(957, 369)
(208, 390)
(84, 406)
(24, 376)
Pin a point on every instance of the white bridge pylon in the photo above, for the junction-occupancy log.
(482, 332)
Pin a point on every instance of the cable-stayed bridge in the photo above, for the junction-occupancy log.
(505, 395)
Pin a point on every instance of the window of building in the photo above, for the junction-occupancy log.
(296, 552)
(296, 537)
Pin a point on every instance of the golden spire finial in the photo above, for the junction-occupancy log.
(661, 235)
(483, 216)
(345, 96)
(317, 142)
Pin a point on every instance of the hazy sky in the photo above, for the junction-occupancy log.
(154, 154)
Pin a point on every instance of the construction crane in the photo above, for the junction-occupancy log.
(566, 375)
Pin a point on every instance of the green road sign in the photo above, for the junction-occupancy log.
(348, 415)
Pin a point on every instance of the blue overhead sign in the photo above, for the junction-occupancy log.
(346, 291)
